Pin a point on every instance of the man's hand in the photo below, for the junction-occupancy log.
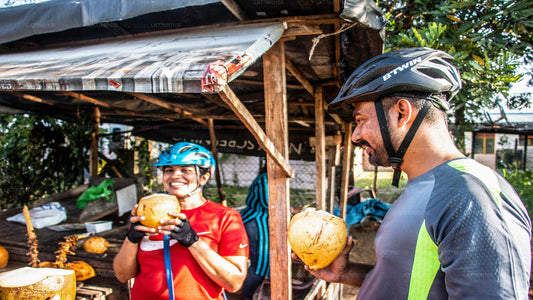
(334, 272)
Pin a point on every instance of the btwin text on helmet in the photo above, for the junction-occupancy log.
(402, 67)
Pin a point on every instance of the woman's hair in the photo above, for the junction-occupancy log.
(203, 171)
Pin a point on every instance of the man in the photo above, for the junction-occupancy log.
(458, 230)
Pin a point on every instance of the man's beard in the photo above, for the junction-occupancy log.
(380, 156)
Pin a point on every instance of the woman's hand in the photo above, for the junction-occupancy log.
(179, 229)
(137, 231)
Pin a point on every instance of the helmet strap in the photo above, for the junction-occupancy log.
(396, 157)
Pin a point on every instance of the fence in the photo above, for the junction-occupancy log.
(238, 171)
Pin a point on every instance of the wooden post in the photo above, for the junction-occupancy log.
(215, 156)
(375, 184)
(264, 141)
(276, 127)
(320, 150)
(334, 158)
(473, 144)
(346, 167)
(526, 140)
(93, 155)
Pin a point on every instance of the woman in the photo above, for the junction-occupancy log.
(208, 243)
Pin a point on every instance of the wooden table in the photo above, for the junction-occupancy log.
(13, 238)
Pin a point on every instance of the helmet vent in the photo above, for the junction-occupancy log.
(366, 79)
(431, 72)
(204, 155)
(184, 148)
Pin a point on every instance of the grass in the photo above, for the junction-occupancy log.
(385, 191)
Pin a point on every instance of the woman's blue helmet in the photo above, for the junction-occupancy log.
(184, 153)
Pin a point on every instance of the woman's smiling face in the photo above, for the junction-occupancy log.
(179, 180)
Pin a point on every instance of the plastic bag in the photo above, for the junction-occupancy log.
(103, 190)
(43, 216)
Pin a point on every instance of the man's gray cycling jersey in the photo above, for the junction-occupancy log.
(459, 231)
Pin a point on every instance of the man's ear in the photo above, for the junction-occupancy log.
(404, 112)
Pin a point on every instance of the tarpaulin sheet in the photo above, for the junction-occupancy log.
(162, 63)
(22, 18)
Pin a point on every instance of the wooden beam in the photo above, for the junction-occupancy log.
(330, 140)
(302, 123)
(337, 41)
(320, 150)
(215, 156)
(299, 76)
(322, 19)
(276, 126)
(160, 102)
(298, 29)
(336, 69)
(334, 116)
(97, 102)
(32, 98)
(86, 98)
(235, 9)
(317, 291)
(170, 117)
(346, 167)
(257, 82)
(336, 6)
(262, 139)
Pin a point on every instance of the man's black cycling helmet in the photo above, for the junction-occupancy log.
(412, 70)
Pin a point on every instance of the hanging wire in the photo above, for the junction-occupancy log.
(317, 39)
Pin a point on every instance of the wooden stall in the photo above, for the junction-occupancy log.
(220, 70)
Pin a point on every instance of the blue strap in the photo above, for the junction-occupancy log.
(168, 266)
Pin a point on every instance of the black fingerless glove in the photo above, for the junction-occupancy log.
(184, 233)
(135, 236)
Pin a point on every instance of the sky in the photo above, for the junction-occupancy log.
(521, 87)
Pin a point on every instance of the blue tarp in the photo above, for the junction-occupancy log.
(374, 208)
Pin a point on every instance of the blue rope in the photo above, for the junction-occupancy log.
(168, 266)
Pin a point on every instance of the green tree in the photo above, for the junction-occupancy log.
(487, 38)
(40, 156)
